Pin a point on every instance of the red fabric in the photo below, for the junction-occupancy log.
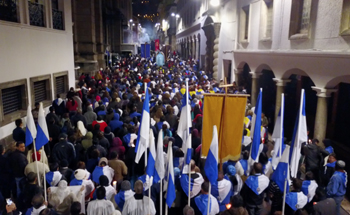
(103, 125)
(72, 107)
(195, 119)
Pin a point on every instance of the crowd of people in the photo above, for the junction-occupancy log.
(92, 137)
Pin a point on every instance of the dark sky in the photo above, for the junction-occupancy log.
(146, 7)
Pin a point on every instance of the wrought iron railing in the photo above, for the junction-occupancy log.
(8, 10)
(36, 14)
(57, 19)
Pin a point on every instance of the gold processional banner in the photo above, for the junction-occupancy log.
(227, 113)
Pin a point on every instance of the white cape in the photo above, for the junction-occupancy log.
(138, 207)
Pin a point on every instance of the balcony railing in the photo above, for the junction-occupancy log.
(36, 14)
(57, 19)
(8, 10)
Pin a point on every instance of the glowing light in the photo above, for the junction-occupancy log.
(130, 20)
(228, 206)
(177, 16)
(133, 24)
(214, 3)
(172, 14)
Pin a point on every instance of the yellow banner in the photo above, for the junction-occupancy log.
(227, 113)
(231, 131)
(211, 116)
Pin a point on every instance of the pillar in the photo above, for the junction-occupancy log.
(280, 84)
(255, 87)
(238, 73)
(197, 49)
(217, 27)
(321, 113)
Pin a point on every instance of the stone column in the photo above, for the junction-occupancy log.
(100, 49)
(194, 49)
(321, 113)
(197, 49)
(255, 87)
(217, 27)
(280, 83)
(238, 73)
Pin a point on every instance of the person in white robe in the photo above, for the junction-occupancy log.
(100, 206)
(139, 204)
(110, 191)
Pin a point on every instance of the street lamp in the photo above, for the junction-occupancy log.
(130, 20)
(172, 14)
(177, 16)
(214, 3)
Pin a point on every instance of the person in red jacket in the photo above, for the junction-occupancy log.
(71, 105)
(99, 121)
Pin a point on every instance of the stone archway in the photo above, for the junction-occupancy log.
(212, 32)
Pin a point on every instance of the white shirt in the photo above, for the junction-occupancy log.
(100, 207)
(139, 206)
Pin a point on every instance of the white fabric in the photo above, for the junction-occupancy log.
(37, 211)
(63, 190)
(197, 185)
(148, 183)
(109, 172)
(268, 169)
(312, 190)
(100, 207)
(246, 140)
(110, 191)
(139, 207)
(159, 165)
(302, 200)
(89, 186)
(263, 183)
(239, 168)
(76, 191)
(43, 157)
(81, 128)
(214, 209)
(224, 187)
(237, 189)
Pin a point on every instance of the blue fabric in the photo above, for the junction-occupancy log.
(29, 211)
(102, 113)
(292, 200)
(159, 125)
(226, 164)
(120, 199)
(184, 183)
(305, 187)
(176, 161)
(76, 182)
(331, 164)
(280, 175)
(211, 168)
(244, 164)
(202, 203)
(329, 149)
(132, 115)
(257, 129)
(98, 171)
(337, 185)
(49, 177)
(171, 195)
(127, 138)
(41, 138)
(145, 107)
(253, 183)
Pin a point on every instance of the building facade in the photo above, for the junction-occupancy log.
(282, 47)
(36, 56)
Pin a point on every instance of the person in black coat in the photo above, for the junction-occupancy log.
(53, 115)
(313, 156)
(65, 170)
(63, 150)
(54, 131)
(78, 117)
(5, 174)
(18, 133)
(18, 162)
(31, 188)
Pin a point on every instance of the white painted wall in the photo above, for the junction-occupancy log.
(28, 51)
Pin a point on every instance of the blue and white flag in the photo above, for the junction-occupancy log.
(53, 178)
(30, 127)
(170, 195)
(151, 156)
(257, 183)
(143, 135)
(122, 196)
(309, 188)
(278, 136)
(281, 173)
(42, 136)
(159, 166)
(99, 170)
(211, 163)
(299, 136)
(296, 200)
(255, 152)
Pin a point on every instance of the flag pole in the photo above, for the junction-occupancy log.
(161, 197)
(149, 196)
(45, 195)
(209, 191)
(140, 125)
(166, 210)
(284, 196)
(36, 164)
(187, 136)
(282, 121)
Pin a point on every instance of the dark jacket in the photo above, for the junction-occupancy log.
(63, 150)
(313, 156)
(251, 198)
(54, 116)
(78, 117)
(66, 172)
(18, 134)
(54, 131)
(18, 163)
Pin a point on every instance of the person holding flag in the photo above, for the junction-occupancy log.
(205, 202)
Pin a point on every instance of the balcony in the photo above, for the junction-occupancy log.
(57, 19)
(36, 14)
(8, 10)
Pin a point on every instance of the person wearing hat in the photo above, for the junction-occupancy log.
(80, 179)
(125, 194)
(63, 150)
(336, 187)
(103, 169)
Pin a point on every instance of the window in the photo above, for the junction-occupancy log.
(266, 20)
(57, 14)
(300, 19)
(60, 81)
(13, 101)
(36, 13)
(41, 90)
(9, 10)
(244, 23)
(345, 19)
